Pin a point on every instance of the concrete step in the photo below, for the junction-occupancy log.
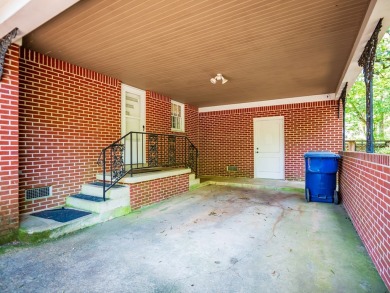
(194, 181)
(33, 229)
(192, 176)
(96, 189)
(81, 201)
(90, 199)
(198, 185)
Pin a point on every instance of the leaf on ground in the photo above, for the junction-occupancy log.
(245, 198)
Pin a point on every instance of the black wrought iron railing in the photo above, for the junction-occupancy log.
(138, 152)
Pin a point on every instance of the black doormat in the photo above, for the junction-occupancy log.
(101, 184)
(88, 197)
(60, 215)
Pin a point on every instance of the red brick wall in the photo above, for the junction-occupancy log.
(365, 193)
(67, 115)
(158, 113)
(9, 93)
(148, 192)
(158, 117)
(226, 137)
(192, 124)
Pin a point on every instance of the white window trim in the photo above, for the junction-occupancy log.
(182, 106)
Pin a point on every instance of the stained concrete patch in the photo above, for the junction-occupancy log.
(213, 239)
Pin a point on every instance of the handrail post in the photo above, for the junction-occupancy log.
(136, 146)
(112, 166)
(104, 175)
(196, 168)
(142, 151)
(131, 154)
(185, 153)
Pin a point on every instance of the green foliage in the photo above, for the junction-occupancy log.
(384, 151)
(355, 117)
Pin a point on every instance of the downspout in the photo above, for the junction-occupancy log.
(343, 98)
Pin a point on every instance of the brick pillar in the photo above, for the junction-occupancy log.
(9, 153)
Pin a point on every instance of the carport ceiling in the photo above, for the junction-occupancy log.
(266, 49)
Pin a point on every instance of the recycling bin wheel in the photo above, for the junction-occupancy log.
(307, 194)
(336, 197)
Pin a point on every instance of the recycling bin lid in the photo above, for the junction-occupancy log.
(321, 155)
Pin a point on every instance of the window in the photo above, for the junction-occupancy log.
(177, 115)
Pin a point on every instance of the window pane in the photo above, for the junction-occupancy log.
(174, 122)
(178, 123)
(179, 111)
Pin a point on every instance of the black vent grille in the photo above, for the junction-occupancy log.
(38, 192)
(232, 168)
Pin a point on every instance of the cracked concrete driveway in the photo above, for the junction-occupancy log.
(214, 239)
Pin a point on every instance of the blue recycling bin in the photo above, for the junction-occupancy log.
(320, 177)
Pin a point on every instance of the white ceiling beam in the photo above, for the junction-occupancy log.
(277, 102)
(27, 15)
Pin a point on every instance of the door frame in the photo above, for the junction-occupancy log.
(139, 92)
(282, 143)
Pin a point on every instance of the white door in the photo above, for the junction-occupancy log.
(269, 147)
(133, 119)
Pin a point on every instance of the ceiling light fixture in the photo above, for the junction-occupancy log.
(218, 77)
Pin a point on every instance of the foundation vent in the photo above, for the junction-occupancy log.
(232, 168)
(39, 192)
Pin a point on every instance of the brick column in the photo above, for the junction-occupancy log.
(9, 153)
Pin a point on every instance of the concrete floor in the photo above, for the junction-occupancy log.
(213, 239)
